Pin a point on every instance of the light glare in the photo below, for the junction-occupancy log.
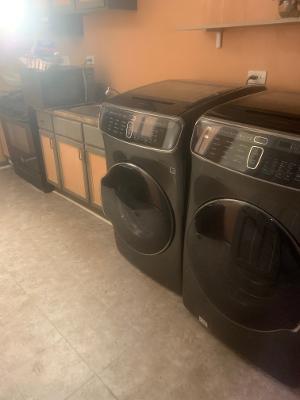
(12, 15)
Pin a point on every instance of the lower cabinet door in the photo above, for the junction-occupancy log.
(96, 164)
(3, 142)
(73, 169)
(50, 157)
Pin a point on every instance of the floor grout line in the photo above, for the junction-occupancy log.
(72, 347)
(81, 386)
(63, 337)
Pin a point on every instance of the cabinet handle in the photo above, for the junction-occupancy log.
(51, 144)
(80, 154)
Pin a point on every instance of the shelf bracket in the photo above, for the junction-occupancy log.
(219, 38)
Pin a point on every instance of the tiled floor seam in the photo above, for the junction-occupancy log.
(80, 387)
(19, 284)
(62, 337)
(78, 354)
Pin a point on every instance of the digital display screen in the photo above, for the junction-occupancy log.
(148, 126)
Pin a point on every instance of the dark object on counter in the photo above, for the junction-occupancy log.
(58, 86)
(241, 269)
(289, 8)
(21, 133)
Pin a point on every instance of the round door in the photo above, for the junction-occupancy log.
(138, 208)
(247, 264)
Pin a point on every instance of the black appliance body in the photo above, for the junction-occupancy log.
(21, 132)
(241, 270)
(58, 86)
(147, 133)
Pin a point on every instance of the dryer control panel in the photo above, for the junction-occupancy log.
(267, 155)
(147, 130)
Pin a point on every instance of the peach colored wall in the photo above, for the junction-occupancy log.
(144, 46)
(141, 47)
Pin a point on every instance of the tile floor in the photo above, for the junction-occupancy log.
(78, 322)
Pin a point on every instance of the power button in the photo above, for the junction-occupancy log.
(129, 130)
(254, 157)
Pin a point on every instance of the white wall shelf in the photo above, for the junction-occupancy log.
(220, 28)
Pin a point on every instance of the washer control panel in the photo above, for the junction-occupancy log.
(150, 130)
(266, 155)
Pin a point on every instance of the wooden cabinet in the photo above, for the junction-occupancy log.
(72, 167)
(3, 159)
(3, 142)
(74, 157)
(96, 165)
(50, 157)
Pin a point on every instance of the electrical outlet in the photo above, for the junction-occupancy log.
(261, 77)
(90, 60)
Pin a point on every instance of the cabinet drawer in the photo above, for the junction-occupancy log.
(44, 120)
(93, 136)
(89, 4)
(67, 128)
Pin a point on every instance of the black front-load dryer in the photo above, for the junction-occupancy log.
(147, 135)
(241, 270)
